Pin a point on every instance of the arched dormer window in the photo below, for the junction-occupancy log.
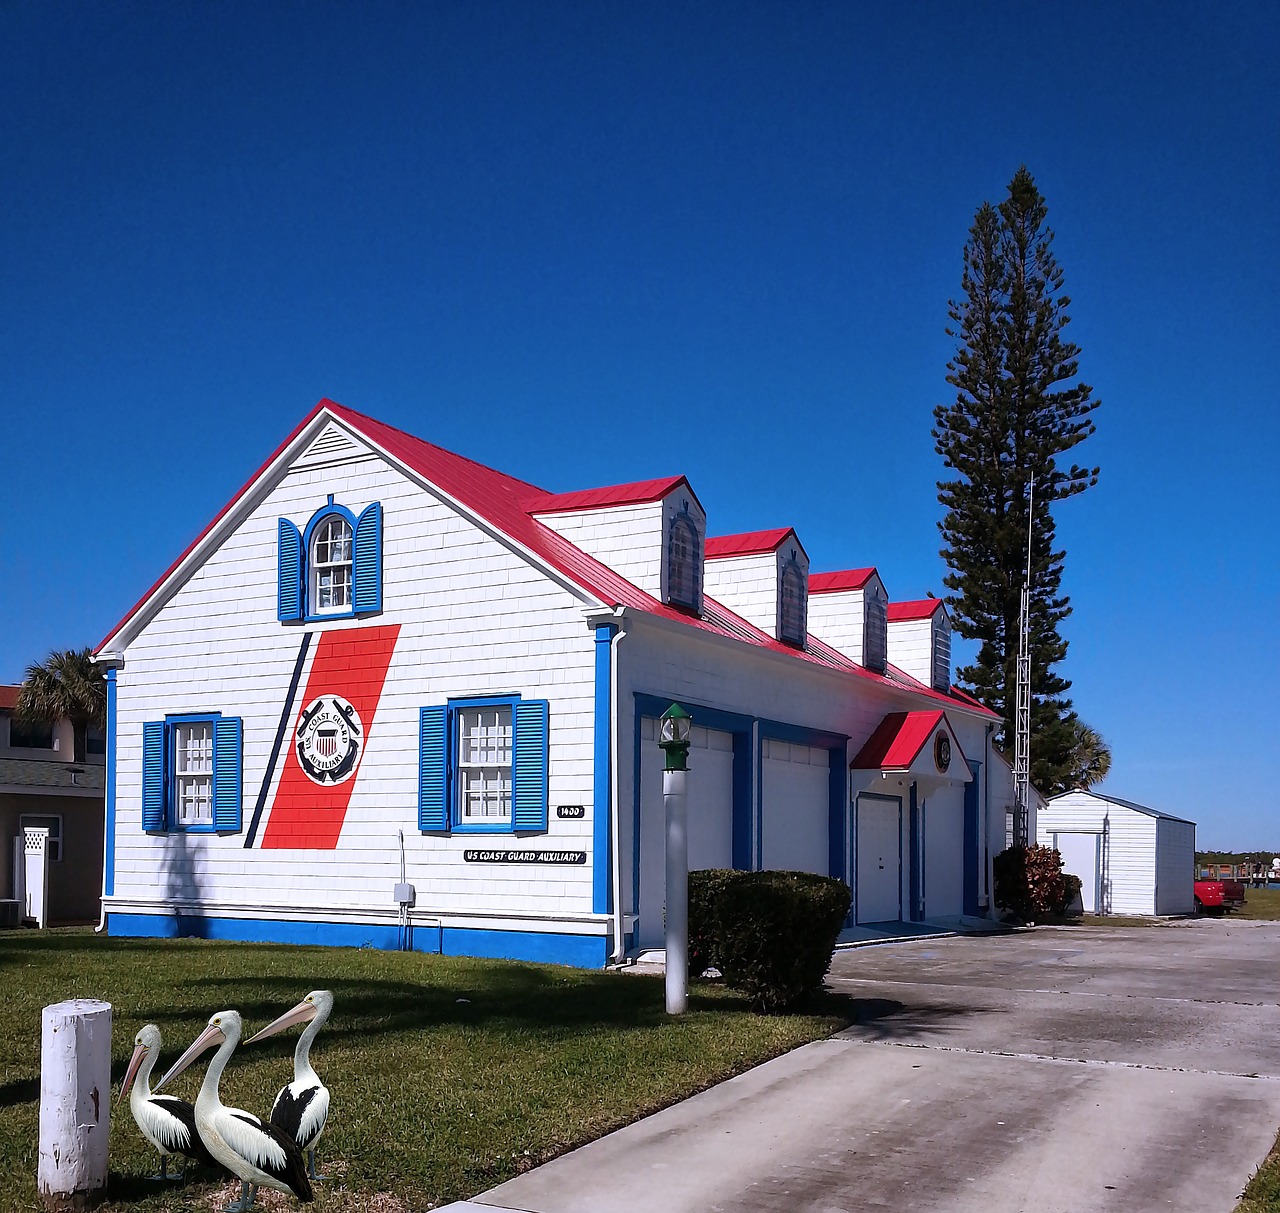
(792, 606)
(332, 568)
(875, 636)
(684, 562)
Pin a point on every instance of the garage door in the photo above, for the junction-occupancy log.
(878, 893)
(795, 808)
(710, 815)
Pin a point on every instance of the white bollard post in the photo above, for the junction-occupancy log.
(677, 976)
(75, 1103)
(36, 875)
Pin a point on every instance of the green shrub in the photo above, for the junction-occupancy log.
(1030, 882)
(775, 932)
(705, 887)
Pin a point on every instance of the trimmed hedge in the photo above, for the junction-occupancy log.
(1030, 882)
(771, 934)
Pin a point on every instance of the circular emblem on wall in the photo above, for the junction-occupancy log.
(942, 751)
(328, 739)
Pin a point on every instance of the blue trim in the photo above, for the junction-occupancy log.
(530, 759)
(451, 781)
(838, 791)
(972, 850)
(579, 951)
(369, 599)
(742, 801)
(602, 787)
(635, 816)
(170, 825)
(915, 833)
(109, 852)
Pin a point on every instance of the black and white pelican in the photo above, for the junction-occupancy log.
(166, 1122)
(302, 1107)
(258, 1154)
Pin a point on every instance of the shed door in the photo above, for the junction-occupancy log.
(1080, 857)
(878, 894)
(710, 818)
(796, 808)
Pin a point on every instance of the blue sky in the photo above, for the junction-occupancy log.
(590, 243)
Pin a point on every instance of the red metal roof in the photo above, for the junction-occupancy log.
(9, 697)
(750, 543)
(507, 504)
(922, 608)
(897, 741)
(846, 579)
(594, 499)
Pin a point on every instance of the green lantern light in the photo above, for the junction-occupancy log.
(677, 726)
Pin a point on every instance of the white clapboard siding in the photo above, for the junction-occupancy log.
(1133, 858)
(475, 618)
(911, 647)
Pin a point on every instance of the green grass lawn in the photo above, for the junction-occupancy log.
(1263, 1192)
(1262, 904)
(447, 1075)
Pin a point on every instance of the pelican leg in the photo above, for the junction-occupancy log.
(164, 1170)
(312, 1173)
(247, 1192)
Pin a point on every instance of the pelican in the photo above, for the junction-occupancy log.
(302, 1107)
(259, 1155)
(167, 1123)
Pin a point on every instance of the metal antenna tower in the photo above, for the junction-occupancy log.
(1022, 712)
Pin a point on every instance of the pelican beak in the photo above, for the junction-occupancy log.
(139, 1052)
(304, 1012)
(212, 1035)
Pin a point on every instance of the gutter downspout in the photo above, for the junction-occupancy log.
(618, 954)
(986, 831)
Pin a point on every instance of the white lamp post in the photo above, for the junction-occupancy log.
(677, 725)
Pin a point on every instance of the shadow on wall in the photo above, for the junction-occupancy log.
(181, 883)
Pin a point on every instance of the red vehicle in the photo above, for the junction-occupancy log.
(1217, 896)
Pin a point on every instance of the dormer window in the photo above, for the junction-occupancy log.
(330, 565)
(332, 568)
(875, 638)
(684, 563)
(791, 605)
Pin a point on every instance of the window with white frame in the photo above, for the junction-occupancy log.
(330, 564)
(792, 606)
(683, 561)
(484, 764)
(193, 773)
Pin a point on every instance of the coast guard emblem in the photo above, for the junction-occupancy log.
(328, 739)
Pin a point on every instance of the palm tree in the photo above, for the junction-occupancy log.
(1090, 757)
(66, 685)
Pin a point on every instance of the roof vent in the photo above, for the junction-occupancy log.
(333, 444)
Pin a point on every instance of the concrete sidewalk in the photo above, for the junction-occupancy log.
(1083, 1070)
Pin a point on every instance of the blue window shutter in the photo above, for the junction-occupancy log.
(227, 739)
(368, 560)
(153, 775)
(433, 770)
(530, 760)
(289, 589)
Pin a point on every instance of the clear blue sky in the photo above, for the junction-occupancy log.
(595, 242)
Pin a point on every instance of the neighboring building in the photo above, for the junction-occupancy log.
(40, 786)
(1130, 859)
(377, 636)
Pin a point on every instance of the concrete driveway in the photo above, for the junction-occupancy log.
(1063, 1069)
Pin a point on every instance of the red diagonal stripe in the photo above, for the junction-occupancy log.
(353, 664)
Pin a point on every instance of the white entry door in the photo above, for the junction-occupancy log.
(1080, 857)
(710, 818)
(878, 893)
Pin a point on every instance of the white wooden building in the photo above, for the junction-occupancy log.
(383, 655)
(1130, 859)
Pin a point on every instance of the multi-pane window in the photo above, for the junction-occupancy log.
(682, 563)
(193, 773)
(792, 606)
(484, 764)
(331, 565)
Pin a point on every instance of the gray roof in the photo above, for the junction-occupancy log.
(33, 773)
(1127, 804)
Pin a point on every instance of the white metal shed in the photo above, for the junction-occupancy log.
(1131, 859)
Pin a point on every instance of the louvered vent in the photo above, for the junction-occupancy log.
(941, 655)
(875, 639)
(332, 444)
